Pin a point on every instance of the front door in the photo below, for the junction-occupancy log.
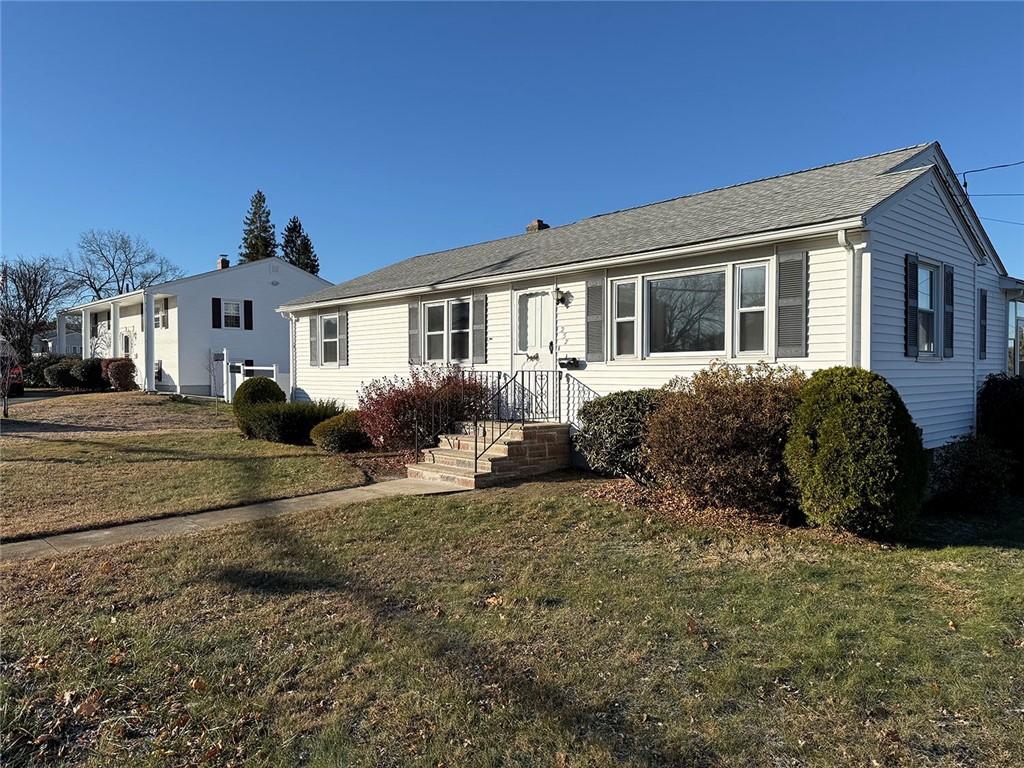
(534, 345)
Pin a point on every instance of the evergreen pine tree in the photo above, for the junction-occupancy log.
(297, 248)
(259, 241)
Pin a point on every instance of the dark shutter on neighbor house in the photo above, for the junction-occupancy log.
(343, 338)
(480, 329)
(247, 314)
(910, 331)
(165, 320)
(415, 355)
(216, 312)
(314, 341)
(791, 305)
(982, 324)
(947, 310)
(595, 320)
(247, 369)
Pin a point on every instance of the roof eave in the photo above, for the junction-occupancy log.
(792, 233)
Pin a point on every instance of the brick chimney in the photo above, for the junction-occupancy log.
(536, 226)
(223, 262)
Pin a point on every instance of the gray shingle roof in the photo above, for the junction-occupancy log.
(814, 196)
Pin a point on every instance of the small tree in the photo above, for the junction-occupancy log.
(297, 248)
(8, 367)
(259, 241)
(32, 292)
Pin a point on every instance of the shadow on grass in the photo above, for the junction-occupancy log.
(995, 528)
(311, 569)
(26, 427)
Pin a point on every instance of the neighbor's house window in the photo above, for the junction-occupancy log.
(329, 339)
(158, 314)
(686, 313)
(927, 291)
(232, 314)
(624, 332)
(447, 331)
(751, 308)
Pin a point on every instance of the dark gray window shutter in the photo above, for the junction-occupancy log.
(910, 306)
(415, 353)
(947, 310)
(480, 329)
(595, 320)
(982, 324)
(165, 321)
(215, 306)
(343, 338)
(247, 314)
(314, 341)
(791, 305)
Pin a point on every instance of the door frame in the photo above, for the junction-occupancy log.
(520, 359)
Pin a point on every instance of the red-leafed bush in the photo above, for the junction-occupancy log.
(120, 372)
(430, 401)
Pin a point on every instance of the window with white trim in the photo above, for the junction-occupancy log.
(434, 332)
(751, 308)
(458, 336)
(624, 318)
(232, 311)
(158, 314)
(329, 340)
(686, 313)
(446, 331)
(927, 300)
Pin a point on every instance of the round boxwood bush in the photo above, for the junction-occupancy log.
(340, 434)
(59, 374)
(611, 432)
(88, 374)
(258, 389)
(1001, 415)
(855, 454)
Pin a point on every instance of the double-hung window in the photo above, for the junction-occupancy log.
(751, 308)
(686, 313)
(329, 339)
(232, 314)
(625, 313)
(446, 331)
(927, 301)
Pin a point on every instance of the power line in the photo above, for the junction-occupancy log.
(997, 194)
(1002, 221)
(963, 174)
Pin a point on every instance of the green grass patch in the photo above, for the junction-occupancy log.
(526, 626)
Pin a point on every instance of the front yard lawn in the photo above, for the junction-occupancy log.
(526, 626)
(84, 480)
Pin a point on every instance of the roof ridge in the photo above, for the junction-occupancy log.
(763, 178)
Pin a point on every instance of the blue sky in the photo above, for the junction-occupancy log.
(397, 129)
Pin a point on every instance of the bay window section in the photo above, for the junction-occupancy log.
(435, 332)
(624, 340)
(329, 339)
(458, 345)
(927, 286)
(686, 313)
(751, 308)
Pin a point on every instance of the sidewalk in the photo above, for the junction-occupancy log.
(203, 521)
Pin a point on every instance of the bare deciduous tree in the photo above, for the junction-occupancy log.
(33, 291)
(111, 262)
(8, 368)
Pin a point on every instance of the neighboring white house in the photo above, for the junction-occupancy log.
(176, 331)
(878, 262)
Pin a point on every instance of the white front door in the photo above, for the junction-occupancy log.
(534, 332)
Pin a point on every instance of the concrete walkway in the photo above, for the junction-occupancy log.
(203, 521)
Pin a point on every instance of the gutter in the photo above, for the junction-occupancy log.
(796, 233)
(852, 315)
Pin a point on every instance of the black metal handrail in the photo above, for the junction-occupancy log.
(576, 394)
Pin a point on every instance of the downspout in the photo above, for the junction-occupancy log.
(974, 346)
(852, 315)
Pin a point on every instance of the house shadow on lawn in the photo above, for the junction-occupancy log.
(29, 429)
(603, 725)
(993, 528)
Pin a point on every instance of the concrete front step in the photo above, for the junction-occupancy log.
(449, 457)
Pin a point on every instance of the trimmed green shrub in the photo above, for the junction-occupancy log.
(970, 475)
(719, 436)
(611, 432)
(855, 453)
(284, 422)
(340, 434)
(59, 374)
(34, 370)
(258, 389)
(121, 374)
(1001, 416)
(88, 374)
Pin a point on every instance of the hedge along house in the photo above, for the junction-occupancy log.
(175, 331)
(878, 262)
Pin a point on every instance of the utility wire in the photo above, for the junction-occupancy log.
(1002, 221)
(963, 174)
(997, 194)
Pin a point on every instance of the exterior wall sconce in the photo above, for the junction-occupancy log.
(561, 297)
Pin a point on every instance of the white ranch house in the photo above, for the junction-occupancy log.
(177, 331)
(878, 262)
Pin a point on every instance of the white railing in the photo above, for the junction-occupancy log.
(227, 374)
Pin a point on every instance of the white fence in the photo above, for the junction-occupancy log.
(226, 374)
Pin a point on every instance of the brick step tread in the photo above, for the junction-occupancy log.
(459, 471)
(464, 455)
